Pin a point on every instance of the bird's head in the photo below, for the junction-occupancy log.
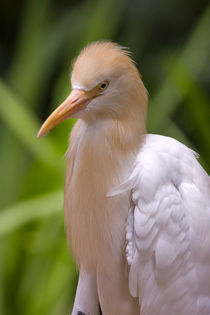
(105, 85)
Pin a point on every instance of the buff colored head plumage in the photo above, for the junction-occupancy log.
(105, 84)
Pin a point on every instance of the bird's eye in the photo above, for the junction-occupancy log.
(103, 85)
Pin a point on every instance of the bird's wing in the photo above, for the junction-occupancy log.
(168, 230)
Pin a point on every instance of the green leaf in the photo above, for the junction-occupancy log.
(25, 126)
(197, 101)
(24, 212)
(195, 56)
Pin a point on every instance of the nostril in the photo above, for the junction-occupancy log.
(80, 313)
(74, 100)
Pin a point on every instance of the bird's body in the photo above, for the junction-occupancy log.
(137, 206)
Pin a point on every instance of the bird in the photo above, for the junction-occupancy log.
(136, 205)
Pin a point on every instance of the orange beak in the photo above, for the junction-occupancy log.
(76, 101)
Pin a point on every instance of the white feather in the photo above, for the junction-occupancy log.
(168, 230)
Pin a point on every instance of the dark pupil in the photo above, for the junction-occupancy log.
(103, 85)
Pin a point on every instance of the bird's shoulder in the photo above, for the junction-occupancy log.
(163, 159)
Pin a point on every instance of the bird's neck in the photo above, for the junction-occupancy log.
(101, 155)
(123, 134)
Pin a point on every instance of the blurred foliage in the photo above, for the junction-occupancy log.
(171, 44)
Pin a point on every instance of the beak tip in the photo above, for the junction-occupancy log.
(40, 133)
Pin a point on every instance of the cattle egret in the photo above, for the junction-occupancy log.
(137, 207)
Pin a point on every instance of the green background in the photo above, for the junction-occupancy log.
(170, 42)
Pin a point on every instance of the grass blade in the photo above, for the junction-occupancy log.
(25, 125)
(15, 216)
